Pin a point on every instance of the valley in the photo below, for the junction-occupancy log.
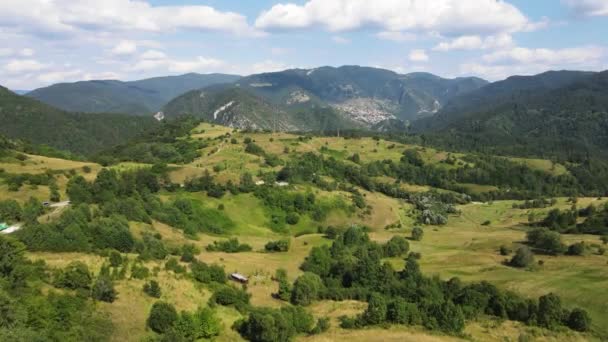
(231, 205)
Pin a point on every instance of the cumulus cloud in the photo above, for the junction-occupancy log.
(17, 66)
(475, 43)
(158, 60)
(447, 17)
(588, 7)
(125, 47)
(526, 61)
(418, 55)
(61, 17)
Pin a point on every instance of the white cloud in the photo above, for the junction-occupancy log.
(268, 66)
(396, 36)
(340, 40)
(61, 17)
(588, 7)
(475, 43)
(418, 55)
(125, 47)
(153, 54)
(157, 60)
(60, 76)
(525, 61)
(447, 17)
(569, 56)
(17, 66)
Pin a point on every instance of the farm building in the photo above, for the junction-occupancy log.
(239, 277)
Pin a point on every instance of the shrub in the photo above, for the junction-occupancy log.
(152, 289)
(229, 246)
(162, 317)
(306, 289)
(103, 289)
(578, 248)
(523, 257)
(278, 246)
(396, 246)
(417, 234)
(579, 320)
(292, 218)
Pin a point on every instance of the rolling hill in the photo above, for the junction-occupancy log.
(135, 97)
(27, 119)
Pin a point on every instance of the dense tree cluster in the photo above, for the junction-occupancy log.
(185, 326)
(31, 314)
(352, 268)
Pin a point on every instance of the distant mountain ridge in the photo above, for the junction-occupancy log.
(27, 119)
(134, 97)
(356, 96)
(555, 113)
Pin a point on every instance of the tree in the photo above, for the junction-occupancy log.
(401, 312)
(103, 289)
(162, 317)
(579, 320)
(79, 190)
(376, 310)
(152, 289)
(306, 289)
(292, 218)
(578, 248)
(417, 234)
(523, 257)
(396, 246)
(32, 209)
(284, 291)
(55, 195)
(208, 323)
(549, 311)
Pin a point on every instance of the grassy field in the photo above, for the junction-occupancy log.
(467, 247)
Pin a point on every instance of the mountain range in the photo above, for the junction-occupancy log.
(359, 96)
(135, 97)
(554, 113)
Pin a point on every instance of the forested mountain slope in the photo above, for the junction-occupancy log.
(558, 113)
(135, 97)
(27, 119)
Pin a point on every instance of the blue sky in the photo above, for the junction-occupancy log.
(71, 40)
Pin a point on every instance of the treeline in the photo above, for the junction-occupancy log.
(352, 268)
(164, 144)
(565, 221)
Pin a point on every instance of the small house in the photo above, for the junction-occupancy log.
(240, 278)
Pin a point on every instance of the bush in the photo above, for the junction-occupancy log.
(323, 324)
(578, 249)
(417, 234)
(292, 218)
(103, 289)
(229, 295)
(306, 289)
(229, 246)
(115, 259)
(278, 246)
(396, 246)
(75, 276)
(523, 257)
(208, 273)
(162, 317)
(579, 320)
(152, 289)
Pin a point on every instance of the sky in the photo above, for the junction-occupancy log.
(43, 42)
